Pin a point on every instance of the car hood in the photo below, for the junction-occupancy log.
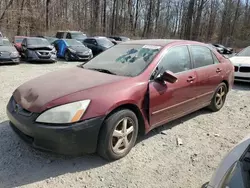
(236, 60)
(40, 47)
(36, 93)
(79, 48)
(7, 49)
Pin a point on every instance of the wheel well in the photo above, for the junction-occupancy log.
(226, 82)
(137, 112)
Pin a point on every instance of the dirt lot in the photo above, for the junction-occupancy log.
(155, 161)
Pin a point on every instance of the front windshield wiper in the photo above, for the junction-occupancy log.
(99, 70)
(103, 70)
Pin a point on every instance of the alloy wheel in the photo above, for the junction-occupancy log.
(123, 135)
(220, 97)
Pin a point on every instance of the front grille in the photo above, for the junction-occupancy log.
(44, 53)
(84, 56)
(241, 78)
(236, 68)
(244, 69)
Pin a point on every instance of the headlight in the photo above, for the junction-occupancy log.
(14, 54)
(68, 113)
(90, 51)
(71, 50)
(54, 49)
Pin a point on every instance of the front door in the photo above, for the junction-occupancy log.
(170, 101)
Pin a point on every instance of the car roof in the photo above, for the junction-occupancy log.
(33, 37)
(96, 37)
(20, 36)
(4, 38)
(69, 32)
(160, 42)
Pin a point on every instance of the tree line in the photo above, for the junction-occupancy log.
(222, 21)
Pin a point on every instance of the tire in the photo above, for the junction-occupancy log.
(110, 137)
(67, 56)
(218, 102)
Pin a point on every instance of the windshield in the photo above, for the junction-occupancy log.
(18, 40)
(38, 41)
(124, 60)
(51, 39)
(73, 42)
(78, 35)
(105, 42)
(5, 42)
(244, 52)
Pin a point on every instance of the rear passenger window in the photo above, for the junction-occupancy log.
(202, 56)
(176, 60)
(216, 61)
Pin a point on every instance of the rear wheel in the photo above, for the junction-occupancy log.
(219, 98)
(118, 135)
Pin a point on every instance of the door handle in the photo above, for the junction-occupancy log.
(190, 79)
(218, 70)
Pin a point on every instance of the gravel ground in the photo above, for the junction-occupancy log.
(155, 161)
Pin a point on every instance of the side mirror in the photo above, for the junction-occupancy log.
(167, 76)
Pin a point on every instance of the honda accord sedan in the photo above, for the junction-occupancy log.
(127, 90)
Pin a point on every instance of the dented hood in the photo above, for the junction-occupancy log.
(36, 93)
(40, 47)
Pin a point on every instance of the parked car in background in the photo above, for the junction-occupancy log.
(226, 50)
(115, 42)
(38, 49)
(18, 42)
(71, 49)
(128, 89)
(233, 171)
(98, 44)
(120, 38)
(241, 62)
(218, 49)
(78, 35)
(8, 53)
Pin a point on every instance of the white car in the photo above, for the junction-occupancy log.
(241, 62)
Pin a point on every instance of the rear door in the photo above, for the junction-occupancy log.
(209, 72)
(170, 101)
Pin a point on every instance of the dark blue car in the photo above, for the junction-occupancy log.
(71, 49)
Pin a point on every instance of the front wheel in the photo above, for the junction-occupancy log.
(118, 135)
(67, 56)
(219, 98)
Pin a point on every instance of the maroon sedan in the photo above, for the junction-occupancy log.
(129, 89)
(18, 42)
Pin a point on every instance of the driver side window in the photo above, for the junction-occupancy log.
(68, 36)
(176, 60)
(24, 42)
